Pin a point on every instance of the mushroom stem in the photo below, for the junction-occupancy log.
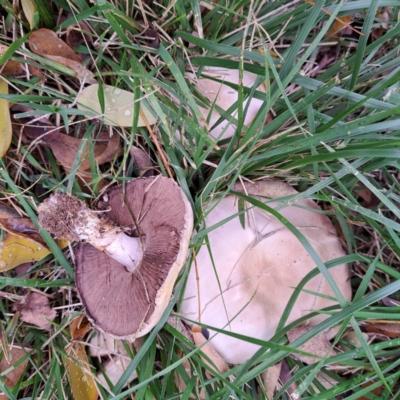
(68, 217)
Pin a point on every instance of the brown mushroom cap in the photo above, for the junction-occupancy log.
(129, 304)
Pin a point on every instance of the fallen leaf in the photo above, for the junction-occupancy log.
(22, 242)
(337, 26)
(352, 338)
(46, 43)
(390, 329)
(35, 309)
(388, 302)
(22, 271)
(79, 373)
(142, 161)
(12, 377)
(336, 18)
(118, 105)
(5, 120)
(79, 327)
(7, 212)
(319, 345)
(18, 250)
(15, 68)
(30, 10)
(209, 351)
(65, 149)
(151, 37)
(369, 199)
(377, 391)
(79, 35)
(270, 378)
(81, 72)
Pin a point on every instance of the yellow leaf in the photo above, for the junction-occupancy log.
(118, 105)
(18, 250)
(30, 10)
(5, 120)
(80, 378)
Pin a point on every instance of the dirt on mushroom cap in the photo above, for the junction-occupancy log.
(62, 215)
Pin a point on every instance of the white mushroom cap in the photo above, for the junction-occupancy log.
(224, 96)
(257, 269)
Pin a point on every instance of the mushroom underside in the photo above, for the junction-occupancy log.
(128, 304)
(258, 266)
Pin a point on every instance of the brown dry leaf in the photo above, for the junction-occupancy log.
(34, 128)
(15, 68)
(377, 391)
(79, 327)
(7, 212)
(14, 355)
(270, 379)
(386, 15)
(390, 329)
(370, 200)
(35, 310)
(388, 302)
(81, 72)
(142, 161)
(80, 377)
(46, 43)
(337, 26)
(5, 120)
(318, 345)
(78, 35)
(209, 351)
(65, 147)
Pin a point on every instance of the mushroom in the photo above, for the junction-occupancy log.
(127, 264)
(258, 266)
(224, 97)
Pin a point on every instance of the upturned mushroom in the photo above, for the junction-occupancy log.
(223, 96)
(128, 259)
(244, 276)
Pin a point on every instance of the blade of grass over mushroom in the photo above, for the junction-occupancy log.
(299, 288)
(273, 357)
(303, 241)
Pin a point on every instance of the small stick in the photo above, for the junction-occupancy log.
(160, 151)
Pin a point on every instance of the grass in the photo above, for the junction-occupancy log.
(333, 134)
